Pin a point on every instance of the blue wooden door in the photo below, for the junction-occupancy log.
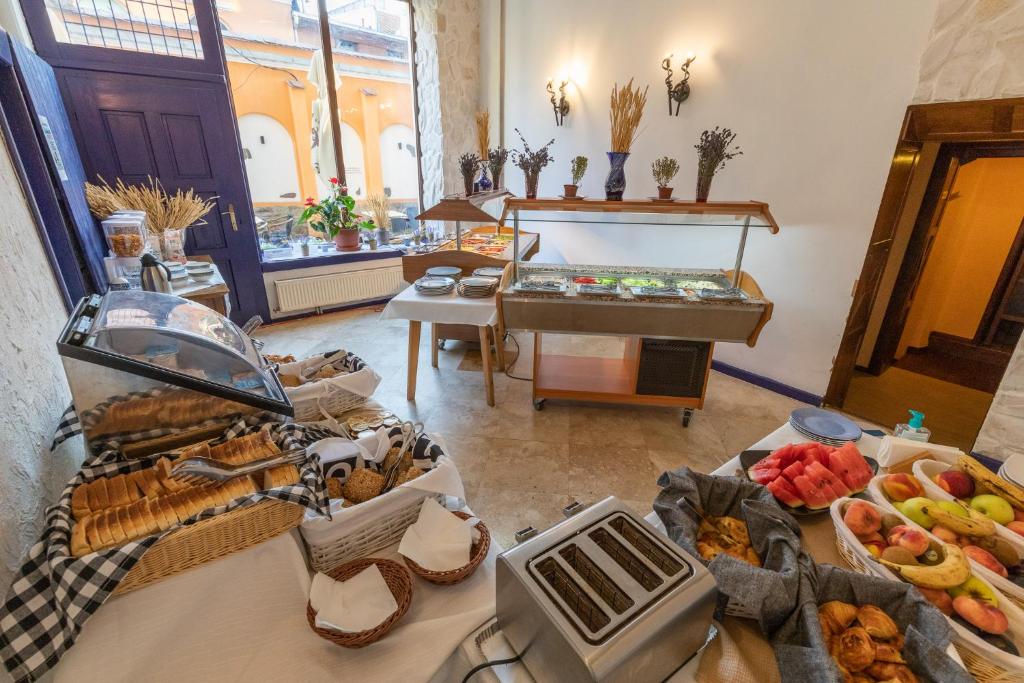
(144, 109)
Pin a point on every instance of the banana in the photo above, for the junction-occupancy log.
(952, 571)
(975, 524)
(987, 479)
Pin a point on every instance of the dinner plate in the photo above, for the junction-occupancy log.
(489, 271)
(476, 281)
(819, 439)
(750, 458)
(1013, 469)
(445, 271)
(825, 424)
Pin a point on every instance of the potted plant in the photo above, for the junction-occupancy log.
(579, 168)
(664, 170)
(531, 162)
(496, 159)
(468, 163)
(713, 151)
(627, 108)
(335, 217)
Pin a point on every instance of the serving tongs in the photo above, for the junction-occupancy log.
(411, 431)
(199, 470)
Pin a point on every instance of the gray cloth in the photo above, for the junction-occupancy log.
(770, 590)
(800, 646)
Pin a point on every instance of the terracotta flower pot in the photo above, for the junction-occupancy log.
(347, 240)
(664, 193)
(570, 190)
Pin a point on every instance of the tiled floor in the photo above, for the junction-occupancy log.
(521, 466)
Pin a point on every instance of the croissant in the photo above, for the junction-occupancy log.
(885, 652)
(877, 623)
(856, 651)
(888, 671)
(839, 614)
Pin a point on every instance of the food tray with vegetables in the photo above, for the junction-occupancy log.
(988, 627)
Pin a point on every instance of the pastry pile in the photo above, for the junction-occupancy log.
(864, 642)
(111, 511)
(717, 535)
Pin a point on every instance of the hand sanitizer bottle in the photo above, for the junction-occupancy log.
(914, 429)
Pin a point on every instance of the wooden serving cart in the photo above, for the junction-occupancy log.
(669, 340)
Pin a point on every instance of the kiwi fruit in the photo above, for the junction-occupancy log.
(1001, 549)
(898, 555)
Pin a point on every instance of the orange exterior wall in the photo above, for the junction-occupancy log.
(970, 248)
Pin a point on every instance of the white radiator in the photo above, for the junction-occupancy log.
(320, 291)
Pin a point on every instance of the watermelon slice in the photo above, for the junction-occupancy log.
(770, 462)
(793, 471)
(849, 465)
(787, 454)
(764, 476)
(785, 493)
(810, 493)
(818, 471)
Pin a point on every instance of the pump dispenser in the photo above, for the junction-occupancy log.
(914, 429)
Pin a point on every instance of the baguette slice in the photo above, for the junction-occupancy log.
(79, 542)
(201, 450)
(245, 448)
(116, 530)
(285, 475)
(79, 502)
(117, 491)
(96, 491)
(127, 524)
(92, 534)
(168, 512)
(132, 488)
(181, 505)
(163, 474)
(145, 523)
(103, 530)
(163, 522)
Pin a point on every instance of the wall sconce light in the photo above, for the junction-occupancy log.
(680, 91)
(561, 104)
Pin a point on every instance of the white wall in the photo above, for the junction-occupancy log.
(33, 390)
(270, 166)
(816, 91)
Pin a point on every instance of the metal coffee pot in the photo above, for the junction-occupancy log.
(155, 276)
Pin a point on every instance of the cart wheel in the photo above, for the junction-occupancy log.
(441, 343)
(687, 414)
(538, 403)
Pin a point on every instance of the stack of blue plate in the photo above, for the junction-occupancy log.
(825, 426)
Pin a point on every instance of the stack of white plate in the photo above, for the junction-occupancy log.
(489, 271)
(478, 287)
(200, 271)
(1013, 470)
(825, 426)
(445, 271)
(179, 274)
(434, 286)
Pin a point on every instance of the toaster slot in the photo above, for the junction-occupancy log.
(573, 596)
(633, 565)
(596, 578)
(648, 548)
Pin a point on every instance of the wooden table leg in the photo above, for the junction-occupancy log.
(485, 355)
(433, 345)
(414, 357)
(499, 347)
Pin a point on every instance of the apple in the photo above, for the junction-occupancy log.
(986, 560)
(956, 483)
(913, 509)
(945, 535)
(975, 588)
(1018, 515)
(909, 538)
(1016, 527)
(981, 615)
(938, 597)
(993, 507)
(874, 543)
(862, 518)
(901, 486)
(953, 508)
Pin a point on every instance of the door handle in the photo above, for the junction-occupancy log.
(231, 215)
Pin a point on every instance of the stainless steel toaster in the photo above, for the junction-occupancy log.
(602, 596)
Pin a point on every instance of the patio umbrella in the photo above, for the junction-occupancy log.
(322, 138)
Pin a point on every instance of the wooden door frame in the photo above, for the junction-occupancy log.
(970, 121)
(1008, 276)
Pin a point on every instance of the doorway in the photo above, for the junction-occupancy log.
(940, 303)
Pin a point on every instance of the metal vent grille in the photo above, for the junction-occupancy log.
(161, 27)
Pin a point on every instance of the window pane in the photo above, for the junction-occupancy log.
(164, 27)
(280, 92)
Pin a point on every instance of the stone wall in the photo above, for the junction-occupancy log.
(448, 86)
(1002, 434)
(33, 390)
(975, 52)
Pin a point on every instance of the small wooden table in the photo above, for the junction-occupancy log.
(213, 293)
(443, 310)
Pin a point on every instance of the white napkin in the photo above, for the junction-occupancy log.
(438, 541)
(894, 450)
(356, 604)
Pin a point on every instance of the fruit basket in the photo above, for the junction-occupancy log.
(981, 562)
(984, 659)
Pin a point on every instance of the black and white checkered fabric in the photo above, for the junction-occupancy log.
(68, 427)
(55, 593)
(425, 453)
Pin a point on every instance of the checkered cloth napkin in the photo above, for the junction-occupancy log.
(55, 593)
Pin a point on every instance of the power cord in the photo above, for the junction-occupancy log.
(488, 665)
(510, 365)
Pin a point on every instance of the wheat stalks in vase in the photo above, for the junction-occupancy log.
(380, 207)
(627, 108)
(483, 136)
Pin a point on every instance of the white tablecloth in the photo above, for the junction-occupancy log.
(243, 617)
(450, 309)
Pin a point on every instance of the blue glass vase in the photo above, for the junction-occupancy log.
(615, 183)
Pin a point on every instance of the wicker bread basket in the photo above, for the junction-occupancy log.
(328, 398)
(452, 576)
(400, 584)
(210, 539)
(985, 662)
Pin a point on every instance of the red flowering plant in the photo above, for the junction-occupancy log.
(333, 213)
